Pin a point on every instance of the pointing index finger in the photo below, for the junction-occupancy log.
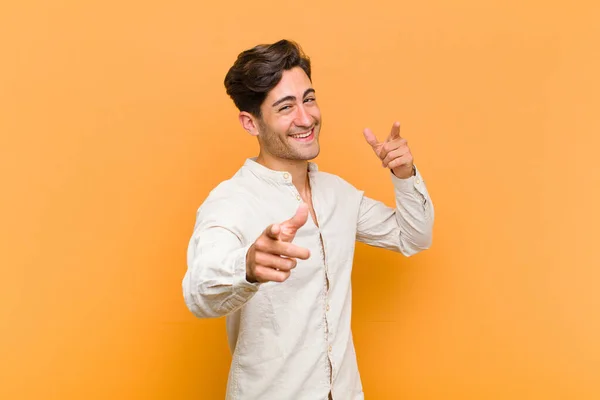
(370, 137)
(292, 251)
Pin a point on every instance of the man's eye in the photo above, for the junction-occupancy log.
(309, 99)
(284, 108)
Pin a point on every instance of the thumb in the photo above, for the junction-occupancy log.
(395, 132)
(299, 219)
(370, 137)
(291, 226)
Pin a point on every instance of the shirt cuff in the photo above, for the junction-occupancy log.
(241, 287)
(408, 185)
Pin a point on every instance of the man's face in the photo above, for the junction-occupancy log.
(291, 119)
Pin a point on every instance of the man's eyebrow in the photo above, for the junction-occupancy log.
(286, 98)
(292, 98)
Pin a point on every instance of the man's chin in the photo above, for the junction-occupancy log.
(304, 156)
(312, 155)
(316, 154)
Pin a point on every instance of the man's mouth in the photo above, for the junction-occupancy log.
(305, 136)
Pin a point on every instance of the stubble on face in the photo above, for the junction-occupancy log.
(280, 145)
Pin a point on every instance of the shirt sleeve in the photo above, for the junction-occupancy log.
(215, 282)
(408, 227)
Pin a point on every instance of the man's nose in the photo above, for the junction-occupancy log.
(303, 118)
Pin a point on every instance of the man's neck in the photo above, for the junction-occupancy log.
(298, 169)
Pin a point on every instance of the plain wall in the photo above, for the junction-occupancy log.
(115, 126)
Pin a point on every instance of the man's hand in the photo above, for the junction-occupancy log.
(394, 152)
(273, 256)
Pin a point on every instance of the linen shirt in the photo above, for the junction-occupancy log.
(292, 340)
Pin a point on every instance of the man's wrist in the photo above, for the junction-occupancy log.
(405, 173)
(249, 277)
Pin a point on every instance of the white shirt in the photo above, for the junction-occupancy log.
(292, 340)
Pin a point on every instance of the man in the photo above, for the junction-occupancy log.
(273, 246)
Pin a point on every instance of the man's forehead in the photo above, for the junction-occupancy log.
(293, 82)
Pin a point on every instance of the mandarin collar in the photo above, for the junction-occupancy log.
(282, 177)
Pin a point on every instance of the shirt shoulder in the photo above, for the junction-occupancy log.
(229, 196)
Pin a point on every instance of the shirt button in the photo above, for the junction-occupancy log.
(286, 175)
(330, 349)
(298, 197)
(417, 181)
(327, 308)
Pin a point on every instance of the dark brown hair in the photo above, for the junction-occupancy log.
(259, 69)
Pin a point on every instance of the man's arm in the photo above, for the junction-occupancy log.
(408, 227)
(215, 282)
(224, 273)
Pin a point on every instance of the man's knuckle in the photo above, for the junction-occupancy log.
(260, 243)
(260, 258)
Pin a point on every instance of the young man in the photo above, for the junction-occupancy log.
(273, 246)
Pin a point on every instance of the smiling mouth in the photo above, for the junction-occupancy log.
(305, 137)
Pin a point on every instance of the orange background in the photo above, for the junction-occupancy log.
(115, 125)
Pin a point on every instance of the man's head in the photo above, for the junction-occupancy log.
(271, 86)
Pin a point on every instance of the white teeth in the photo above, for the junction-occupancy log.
(302, 136)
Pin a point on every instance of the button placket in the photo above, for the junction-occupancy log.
(293, 189)
(326, 289)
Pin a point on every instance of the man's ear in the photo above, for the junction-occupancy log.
(249, 123)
